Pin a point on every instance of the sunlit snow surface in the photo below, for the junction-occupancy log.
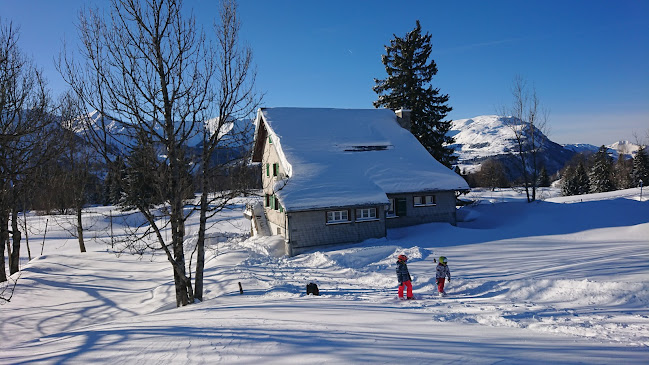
(561, 280)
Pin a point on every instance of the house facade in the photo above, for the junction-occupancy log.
(333, 176)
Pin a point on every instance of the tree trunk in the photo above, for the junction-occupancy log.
(4, 239)
(82, 245)
(14, 259)
(177, 237)
(200, 244)
(29, 251)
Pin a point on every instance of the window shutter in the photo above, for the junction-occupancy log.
(267, 170)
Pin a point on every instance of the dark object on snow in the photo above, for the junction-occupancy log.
(240, 288)
(312, 288)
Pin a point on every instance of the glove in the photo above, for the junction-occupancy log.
(400, 284)
(449, 280)
(436, 282)
(409, 278)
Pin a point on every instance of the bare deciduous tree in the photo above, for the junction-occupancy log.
(527, 119)
(236, 100)
(27, 132)
(153, 79)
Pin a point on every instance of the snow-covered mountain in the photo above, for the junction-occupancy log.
(490, 137)
(625, 149)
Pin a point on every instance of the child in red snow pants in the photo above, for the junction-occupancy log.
(408, 285)
(403, 275)
(440, 284)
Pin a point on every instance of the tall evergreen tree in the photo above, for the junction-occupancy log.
(544, 178)
(567, 181)
(640, 167)
(622, 173)
(407, 86)
(581, 181)
(601, 173)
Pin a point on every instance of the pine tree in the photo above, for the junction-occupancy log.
(544, 179)
(581, 182)
(567, 182)
(408, 87)
(601, 172)
(142, 184)
(640, 167)
(622, 173)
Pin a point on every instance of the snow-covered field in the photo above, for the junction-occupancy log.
(563, 280)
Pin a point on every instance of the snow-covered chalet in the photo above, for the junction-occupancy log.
(335, 176)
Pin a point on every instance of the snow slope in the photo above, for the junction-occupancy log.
(561, 280)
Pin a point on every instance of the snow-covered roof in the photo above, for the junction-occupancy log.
(347, 157)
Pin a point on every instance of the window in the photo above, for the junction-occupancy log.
(267, 170)
(267, 200)
(431, 200)
(424, 200)
(270, 140)
(278, 206)
(337, 216)
(275, 169)
(365, 214)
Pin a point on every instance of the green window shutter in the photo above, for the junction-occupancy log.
(272, 202)
(401, 207)
(267, 170)
(270, 140)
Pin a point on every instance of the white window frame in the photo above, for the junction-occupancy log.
(424, 200)
(366, 214)
(338, 216)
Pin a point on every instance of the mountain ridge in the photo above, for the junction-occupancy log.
(489, 137)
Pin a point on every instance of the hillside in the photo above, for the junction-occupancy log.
(562, 280)
(488, 137)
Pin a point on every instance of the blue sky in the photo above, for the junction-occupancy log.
(589, 60)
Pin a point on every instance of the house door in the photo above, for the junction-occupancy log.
(401, 207)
